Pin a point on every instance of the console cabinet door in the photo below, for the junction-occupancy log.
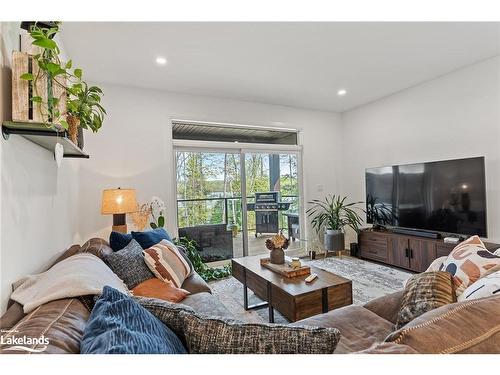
(422, 253)
(400, 252)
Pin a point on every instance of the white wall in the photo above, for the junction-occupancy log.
(44, 210)
(134, 147)
(455, 116)
(39, 203)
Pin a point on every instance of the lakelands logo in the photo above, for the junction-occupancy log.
(23, 343)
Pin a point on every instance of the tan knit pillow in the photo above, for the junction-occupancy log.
(167, 263)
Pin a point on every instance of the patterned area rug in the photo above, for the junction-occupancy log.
(369, 281)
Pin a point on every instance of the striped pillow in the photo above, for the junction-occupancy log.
(167, 263)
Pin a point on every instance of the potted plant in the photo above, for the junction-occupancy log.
(48, 76)
(332, 215)
(84, 110)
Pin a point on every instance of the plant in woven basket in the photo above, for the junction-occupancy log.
(84, 108)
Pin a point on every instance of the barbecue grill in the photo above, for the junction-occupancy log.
(266, 207)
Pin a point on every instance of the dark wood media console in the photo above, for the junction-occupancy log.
(404, 251)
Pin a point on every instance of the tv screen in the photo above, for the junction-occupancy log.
(443, 196)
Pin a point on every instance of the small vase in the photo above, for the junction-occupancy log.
(73, 125)
(277, 256)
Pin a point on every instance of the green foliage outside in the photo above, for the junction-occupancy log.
(203, 175)
(207, 273)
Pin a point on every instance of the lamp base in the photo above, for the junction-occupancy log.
(120, 228)
(119, 223)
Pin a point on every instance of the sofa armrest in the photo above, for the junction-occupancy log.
(387, 306)
(195, 284)
(13, 315)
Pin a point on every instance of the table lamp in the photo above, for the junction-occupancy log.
(118, 202)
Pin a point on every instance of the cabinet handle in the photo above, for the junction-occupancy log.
(407, 252)
(411, 253)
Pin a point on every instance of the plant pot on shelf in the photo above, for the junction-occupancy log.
(73, 125)
(277, 256)
(80, 138)
(334, 240)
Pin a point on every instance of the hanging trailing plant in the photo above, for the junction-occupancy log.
(83, 106)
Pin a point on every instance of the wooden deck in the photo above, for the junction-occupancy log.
(256, 246)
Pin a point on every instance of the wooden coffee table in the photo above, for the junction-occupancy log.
(292, 297)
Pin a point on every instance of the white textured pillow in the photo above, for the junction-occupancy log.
(436, 264)
(468, 262)
(497, 252)
(485, 287)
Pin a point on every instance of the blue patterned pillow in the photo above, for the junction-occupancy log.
(118, 241)
(151, 237)
(119, 325)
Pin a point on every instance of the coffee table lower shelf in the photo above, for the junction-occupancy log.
(292, 297)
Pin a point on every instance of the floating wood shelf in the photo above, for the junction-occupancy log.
(43, 135)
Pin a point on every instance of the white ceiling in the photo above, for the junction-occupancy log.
(294, 64)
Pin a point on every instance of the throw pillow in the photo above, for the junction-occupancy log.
(468, 262)
(486, 286)
(167, 263)
(463, 327)
(118, 241)
(437, 264)
(155, 288)
(424, 292)
(151, 237)
(225, 336)
(119, 325)
(167, 312)
(184, 253)
(128, 264)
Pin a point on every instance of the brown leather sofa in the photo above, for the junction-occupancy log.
(467, 327)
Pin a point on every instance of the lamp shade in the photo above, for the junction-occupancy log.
(118, 201)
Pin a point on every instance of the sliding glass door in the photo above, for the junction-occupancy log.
(209, 204)
(219, 200)
(272, 189)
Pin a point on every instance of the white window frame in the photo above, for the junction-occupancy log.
(242, 149)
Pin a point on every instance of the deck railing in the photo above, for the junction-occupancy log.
(227, 208)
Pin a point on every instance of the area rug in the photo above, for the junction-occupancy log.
(369, 280)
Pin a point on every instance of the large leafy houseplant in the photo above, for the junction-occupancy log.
(334, 213)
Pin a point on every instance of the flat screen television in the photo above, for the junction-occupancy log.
(442, 196)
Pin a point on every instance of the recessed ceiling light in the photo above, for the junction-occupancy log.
(161, 60)
(342, 92)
